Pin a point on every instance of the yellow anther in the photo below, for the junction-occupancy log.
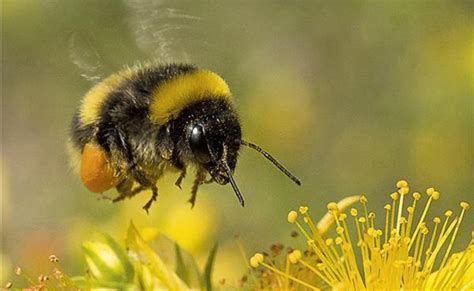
(404, 190)
(430, 191)
(465, 205)
(342, 216)
(303, 209)
(424, 230)
(436, 219)
(416, 196)
(353, 212)
(329, 242)
(253, 262)
(410, 209)
(387, 207)
(256, 260)
(259, 257)
(371, 215)
(292, 259)
(448, 213)
(370, 231)
(403, 220)
(406, 240)
(362, 219)
(297, 254)
(292, 216)
(363, 199)
(402, 183)
(340, 229)
(332, 206)
(394, 195)
(339, 240)
(435, 195)
(379, 232)
(53, 259)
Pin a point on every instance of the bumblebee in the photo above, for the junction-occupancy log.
(141, 122)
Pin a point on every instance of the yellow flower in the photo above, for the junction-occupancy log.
(107, 262)
(402, 255)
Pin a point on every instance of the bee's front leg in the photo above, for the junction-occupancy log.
(182, 175)
(126, 190)
(200, 179)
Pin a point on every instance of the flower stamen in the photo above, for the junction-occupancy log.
(400, 258)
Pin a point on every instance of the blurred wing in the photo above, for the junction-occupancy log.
(161, 31)
(86, 58)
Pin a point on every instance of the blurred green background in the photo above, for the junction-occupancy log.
(350, 95)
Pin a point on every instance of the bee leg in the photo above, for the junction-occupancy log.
(139, 176)
(119, 198)
(154, 191)
(137, 190)
(200, 178)
(192, 200)
(208, 181)
(102, 196)
(180, 178)
(124, 189)
(145, 183)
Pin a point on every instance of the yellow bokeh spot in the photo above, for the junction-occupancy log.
(190, 229)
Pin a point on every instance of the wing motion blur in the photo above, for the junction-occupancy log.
(163, 32)
(86, 58)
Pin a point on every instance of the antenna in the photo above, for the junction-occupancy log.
(272, 160)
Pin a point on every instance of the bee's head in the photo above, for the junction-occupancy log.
(215, 147)
(213, 138)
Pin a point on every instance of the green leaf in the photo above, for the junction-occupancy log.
(208, 270)
(142, 254)
(181, 269)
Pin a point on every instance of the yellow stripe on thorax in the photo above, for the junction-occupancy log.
(92, 102)
(168, 99)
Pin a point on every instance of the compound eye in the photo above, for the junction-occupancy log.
(198, 144)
